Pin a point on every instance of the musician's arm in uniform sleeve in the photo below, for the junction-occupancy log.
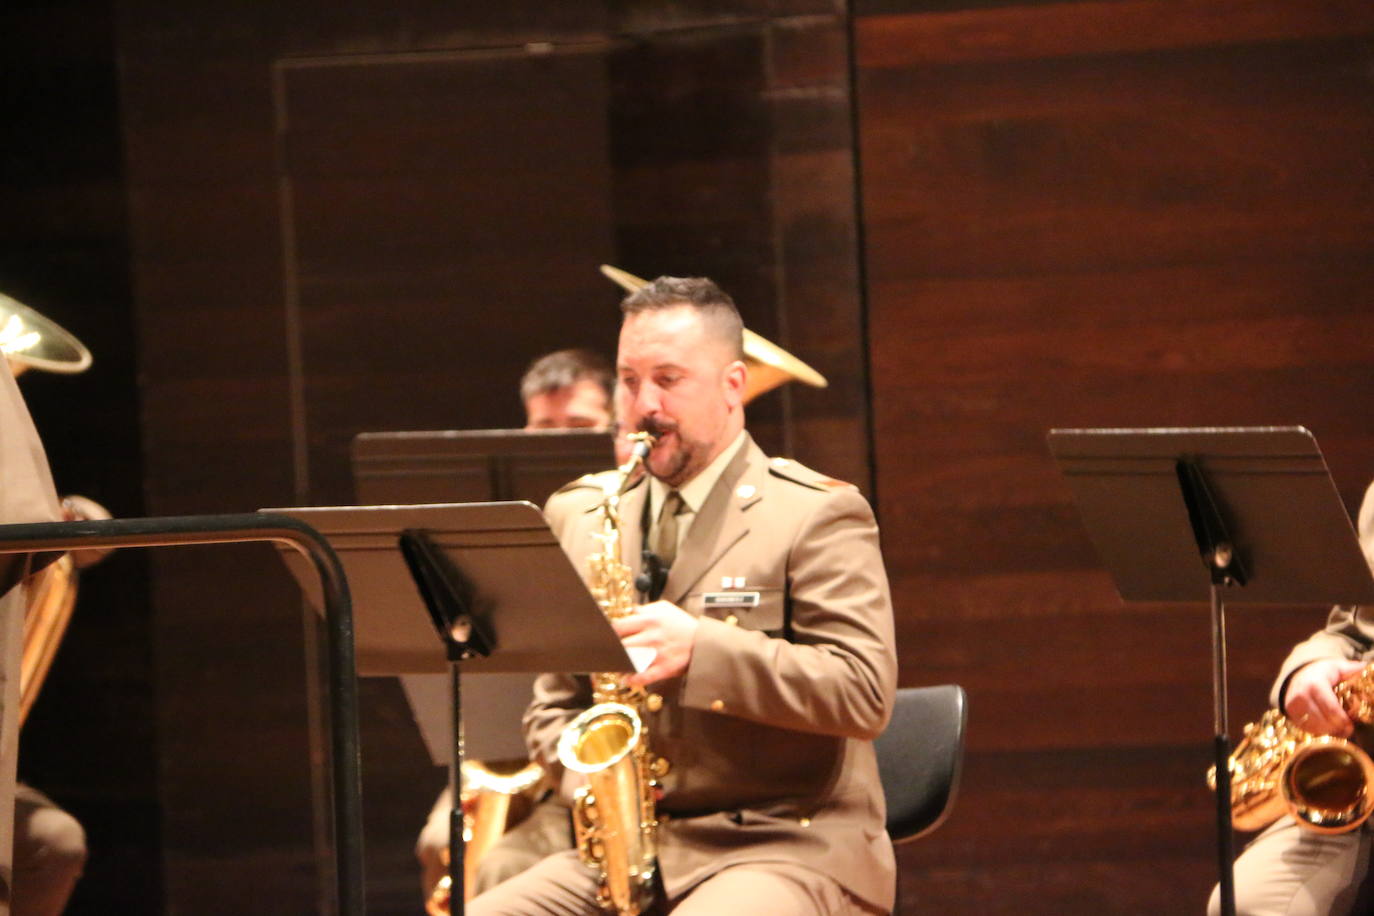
(1349, 634)
(558, 698)
(838, 673)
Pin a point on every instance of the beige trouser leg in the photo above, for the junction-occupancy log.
(773, 888)
(49, 853)
(558, 886)
(562, 886)
(1290, 871)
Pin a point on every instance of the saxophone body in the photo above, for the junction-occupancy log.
(1326, 783)
(613, 814)
(487, 794)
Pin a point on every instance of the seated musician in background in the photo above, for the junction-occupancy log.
(773, 665)
(1289, 869)
(49, 845)
(566, 389)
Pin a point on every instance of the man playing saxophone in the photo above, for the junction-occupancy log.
(1288, 868)
(771, 641)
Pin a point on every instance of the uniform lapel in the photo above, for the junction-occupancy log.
(721, 523)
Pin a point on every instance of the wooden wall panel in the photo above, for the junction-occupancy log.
(1075, 219)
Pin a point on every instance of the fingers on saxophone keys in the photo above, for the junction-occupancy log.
(628, 626)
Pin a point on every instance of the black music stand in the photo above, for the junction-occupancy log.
(489, 579)
(474, 465)
(1256, 504)
(469, 466)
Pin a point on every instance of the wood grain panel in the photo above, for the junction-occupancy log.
(1079, 214)
(1107, 28)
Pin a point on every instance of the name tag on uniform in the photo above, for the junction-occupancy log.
(731, 599)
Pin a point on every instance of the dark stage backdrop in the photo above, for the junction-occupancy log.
(88, 742)
(372, 217)
(1097, 214)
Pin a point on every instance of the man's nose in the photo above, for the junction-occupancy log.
(647, 400)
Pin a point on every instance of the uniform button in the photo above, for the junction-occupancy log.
(654, 701)
(732, 620)
(717, 705)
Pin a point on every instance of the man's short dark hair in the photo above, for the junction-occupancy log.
(714, 305)
(563, 369)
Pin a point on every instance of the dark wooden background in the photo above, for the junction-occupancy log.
(279, 225)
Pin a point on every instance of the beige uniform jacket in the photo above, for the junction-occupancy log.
(26, 487)
(1349, 631)
(769, 733)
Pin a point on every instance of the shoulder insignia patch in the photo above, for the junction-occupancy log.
(799, 473)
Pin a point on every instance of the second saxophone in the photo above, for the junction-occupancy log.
(1325, 783)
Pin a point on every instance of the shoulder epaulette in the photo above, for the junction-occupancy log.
(799, 473)
(601, 480)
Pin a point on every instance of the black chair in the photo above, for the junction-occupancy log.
(920, 756)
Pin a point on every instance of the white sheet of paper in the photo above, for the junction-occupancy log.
(641, 656)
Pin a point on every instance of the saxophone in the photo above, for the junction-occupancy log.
(1323, 781)
(613, 815)
(487, 794)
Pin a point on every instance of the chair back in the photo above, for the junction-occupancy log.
(920, 756)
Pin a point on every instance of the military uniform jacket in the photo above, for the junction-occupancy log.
(769, 732)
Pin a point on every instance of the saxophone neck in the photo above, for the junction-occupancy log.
(639, 453)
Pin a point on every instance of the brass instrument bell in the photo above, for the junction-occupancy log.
(31, 341)
(769, 364)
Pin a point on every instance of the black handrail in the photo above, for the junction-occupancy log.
(170, 531)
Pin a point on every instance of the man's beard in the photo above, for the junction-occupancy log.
(680, 467)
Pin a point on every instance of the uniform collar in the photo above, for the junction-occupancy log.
(695, 491)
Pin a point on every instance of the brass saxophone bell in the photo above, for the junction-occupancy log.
(1325, 783)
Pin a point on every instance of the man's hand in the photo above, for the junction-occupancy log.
(1310, 701)
(668, 630)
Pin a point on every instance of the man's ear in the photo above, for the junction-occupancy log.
(735, 379)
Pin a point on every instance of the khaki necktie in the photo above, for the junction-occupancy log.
(665, 538)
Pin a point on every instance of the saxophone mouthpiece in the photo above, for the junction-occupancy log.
(643, 446)
(639, 454)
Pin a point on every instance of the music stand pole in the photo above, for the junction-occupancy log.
(1221, 758)
(447, 595)
(1221, 555)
